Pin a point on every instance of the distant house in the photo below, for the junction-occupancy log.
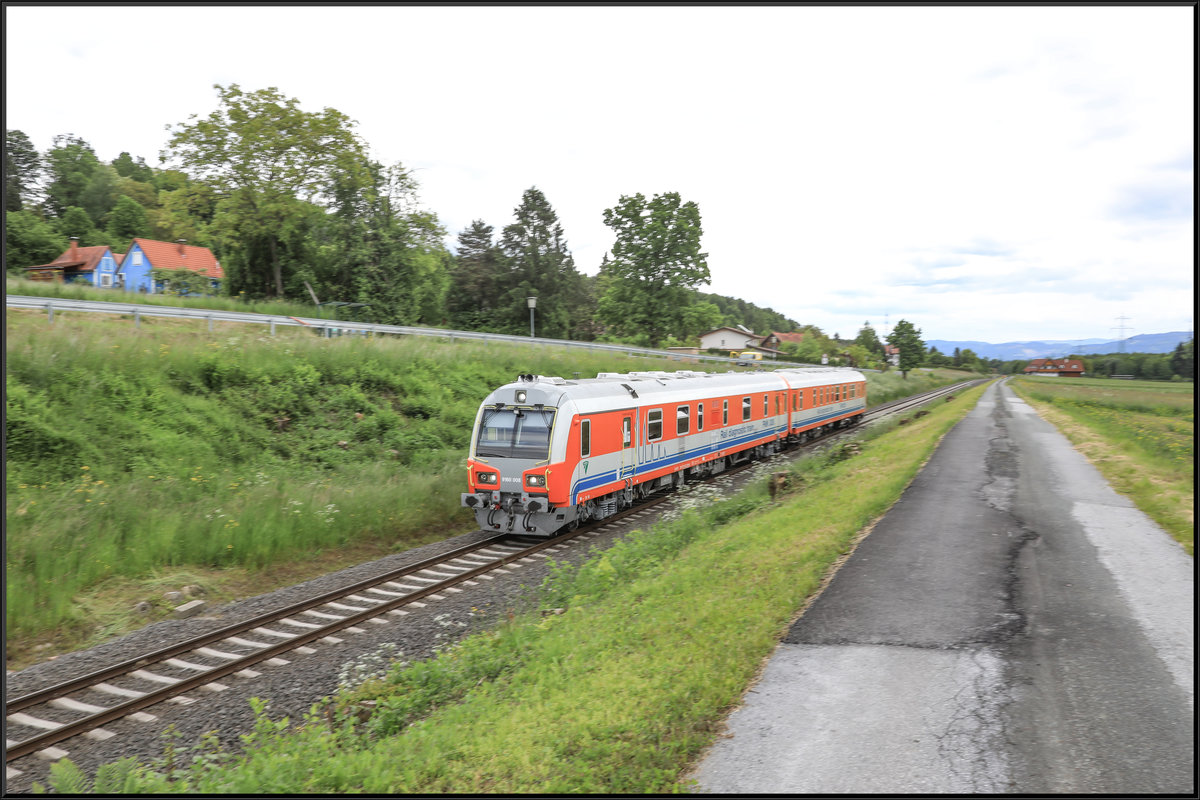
(892, 354)
(775, 338)
(728, 338)
(145, 255)
(96, 266)
(1056, 367)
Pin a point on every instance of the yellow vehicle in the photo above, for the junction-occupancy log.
(747, 356)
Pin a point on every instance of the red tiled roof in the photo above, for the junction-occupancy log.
(1055, 365)
(796, 336)
(172, 255)
(83, 259)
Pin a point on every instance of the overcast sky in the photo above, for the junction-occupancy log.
(987, 173)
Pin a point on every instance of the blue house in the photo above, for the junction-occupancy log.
(145, 255)
(95, 266)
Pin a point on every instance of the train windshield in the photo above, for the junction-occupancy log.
(515, 433)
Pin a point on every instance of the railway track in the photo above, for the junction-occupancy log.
(178, 673)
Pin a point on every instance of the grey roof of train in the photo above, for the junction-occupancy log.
(665, 382)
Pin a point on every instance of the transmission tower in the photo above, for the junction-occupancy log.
(1120, 329)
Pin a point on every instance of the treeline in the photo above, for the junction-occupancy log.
(1178, 365)
(290, 200)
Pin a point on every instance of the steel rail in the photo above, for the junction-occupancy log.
(67, 730)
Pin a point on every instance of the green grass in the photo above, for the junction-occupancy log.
(621, 692)
(1139, 434)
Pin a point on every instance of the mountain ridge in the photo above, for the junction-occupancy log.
(1010, 351)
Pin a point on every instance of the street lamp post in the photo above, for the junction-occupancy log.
(532, 305)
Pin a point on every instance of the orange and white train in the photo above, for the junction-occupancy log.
(548, 453)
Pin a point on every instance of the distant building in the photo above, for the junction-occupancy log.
(95, 266)
(728, 338)
(1056, 367)
(145, 255)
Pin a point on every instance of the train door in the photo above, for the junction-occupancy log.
(628, 447)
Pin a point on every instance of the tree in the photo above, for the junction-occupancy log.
(138, 170)
(936, 358)
(656, 264)
(539, 264)
(22, 167)
(77, 222)
(869, 340)
(100, 195)
(69, 165)
(907, 339)
(127, 220)
(265, 155)
(30, 240)
(1183, 360)
(475, 278)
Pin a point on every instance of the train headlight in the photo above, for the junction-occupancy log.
(535, 480)
(486, 477)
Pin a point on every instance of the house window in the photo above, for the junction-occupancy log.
(745, 408)
(137, 258)
(105, 279)
(724, 412)
(585, 438)
(699, 416)
(683, 419)
(654, 425)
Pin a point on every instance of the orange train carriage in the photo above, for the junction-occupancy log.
(548, 453)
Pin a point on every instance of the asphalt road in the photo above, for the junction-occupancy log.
(1011, 626)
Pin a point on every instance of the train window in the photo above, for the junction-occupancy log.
(724, 412)
(778, 403)
(745, 408)
(654, 425)
(683, 419)
(699, 416)
(626, 433)
(515, 433)
(585, 438)
(766, 407)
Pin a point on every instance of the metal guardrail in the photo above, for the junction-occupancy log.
(329, 327)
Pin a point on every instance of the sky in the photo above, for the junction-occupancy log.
(992, 174)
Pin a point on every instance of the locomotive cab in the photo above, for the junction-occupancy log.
(511, 475)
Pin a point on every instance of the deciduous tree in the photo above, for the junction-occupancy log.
(69, 165)
(264, 155)
(656, 265)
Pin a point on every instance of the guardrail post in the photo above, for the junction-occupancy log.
(50, 312)
(272, 327)
(137, 318)
(210, 323)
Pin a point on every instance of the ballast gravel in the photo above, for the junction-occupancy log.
(292, 689)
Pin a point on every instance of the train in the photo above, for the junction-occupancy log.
(548, 454)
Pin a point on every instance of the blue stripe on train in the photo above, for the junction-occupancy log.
(610, 476)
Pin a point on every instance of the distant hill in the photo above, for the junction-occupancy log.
(1011, 351)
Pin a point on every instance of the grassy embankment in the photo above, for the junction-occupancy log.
(619, 693)
(1140, 435)
(143, 459)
